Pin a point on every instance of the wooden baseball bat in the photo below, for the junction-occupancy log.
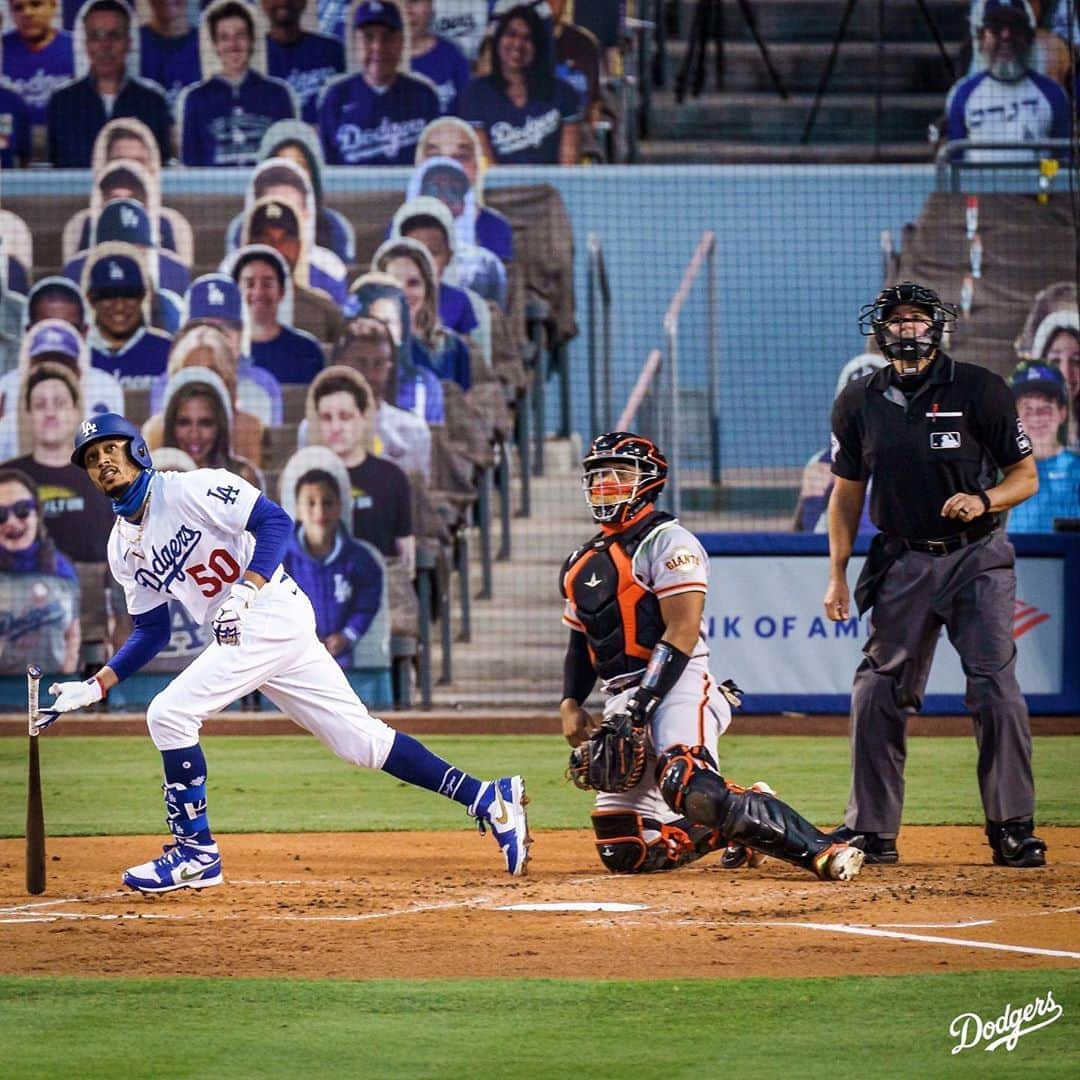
(35, 811)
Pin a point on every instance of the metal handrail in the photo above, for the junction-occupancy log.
(599, 290)
(637, 102)
(704, 249)
(704, 253)
(949, 161)
(641, 388)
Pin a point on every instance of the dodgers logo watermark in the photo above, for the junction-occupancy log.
(1007, 1028)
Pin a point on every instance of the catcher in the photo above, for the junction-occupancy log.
(635, 595)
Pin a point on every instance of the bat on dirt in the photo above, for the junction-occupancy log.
(35, 812)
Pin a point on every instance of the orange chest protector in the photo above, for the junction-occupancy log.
(621, 617)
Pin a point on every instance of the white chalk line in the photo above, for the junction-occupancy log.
(930, 939)
(933, 925)
(35, 904)
(84, 916)
(974, 922)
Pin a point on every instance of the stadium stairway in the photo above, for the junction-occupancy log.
(514, 656)
(743, 119)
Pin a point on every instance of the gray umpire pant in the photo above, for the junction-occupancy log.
(972, 593)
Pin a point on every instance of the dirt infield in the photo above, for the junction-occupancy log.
(429, 905)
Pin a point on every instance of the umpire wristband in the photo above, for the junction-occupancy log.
(985, 501)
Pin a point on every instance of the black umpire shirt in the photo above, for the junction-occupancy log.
(957, 430)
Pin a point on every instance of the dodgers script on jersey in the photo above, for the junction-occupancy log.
(35, 73)
(361, 126)
(520, 135)
(191, 544)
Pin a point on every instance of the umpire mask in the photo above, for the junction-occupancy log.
(908, 322)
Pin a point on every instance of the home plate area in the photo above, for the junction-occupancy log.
(422, 905)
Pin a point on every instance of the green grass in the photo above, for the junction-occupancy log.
(109, 785)
(846, 1027)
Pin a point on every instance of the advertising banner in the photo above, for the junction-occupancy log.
(768, 631)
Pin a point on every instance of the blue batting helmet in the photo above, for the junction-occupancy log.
(102, 426)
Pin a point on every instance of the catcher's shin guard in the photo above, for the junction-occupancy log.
(623, 848)
(691, 785)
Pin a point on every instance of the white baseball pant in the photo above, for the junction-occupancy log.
(280, 655)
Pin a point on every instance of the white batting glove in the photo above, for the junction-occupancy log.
(226, 624)
(67, 697)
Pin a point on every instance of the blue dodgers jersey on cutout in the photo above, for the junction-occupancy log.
(14, 131)
(1058, 495)
(307, 67)
(292, 357)
(449, 362)
(445, 65)
(172, 63)
(345, 589)
(493, 232)
(224, 125)
(455, 311)
(334, 287)
(332, 17)
(422, 396)
(145, 355)
(520, 136)
(35, 75)
(361, 127)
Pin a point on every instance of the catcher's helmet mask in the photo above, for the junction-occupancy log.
(620, 463)
(110, 426)
(908, 351)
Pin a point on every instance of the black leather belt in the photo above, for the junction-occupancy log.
(948, 544)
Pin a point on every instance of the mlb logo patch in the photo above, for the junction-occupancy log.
(944, 440)
(1023, 443)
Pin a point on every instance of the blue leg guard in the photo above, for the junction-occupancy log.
(185, 809)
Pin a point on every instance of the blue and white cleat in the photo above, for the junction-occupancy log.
(501, 806)
(183, 866)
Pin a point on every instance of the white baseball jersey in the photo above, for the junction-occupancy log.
(191, 544)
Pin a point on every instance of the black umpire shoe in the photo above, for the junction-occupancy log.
(876, 848)
(1014, 843)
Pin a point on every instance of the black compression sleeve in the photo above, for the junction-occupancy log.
(579, 675)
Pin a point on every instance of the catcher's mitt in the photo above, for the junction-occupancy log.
(613, 759)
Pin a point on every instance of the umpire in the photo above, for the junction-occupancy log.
(947, 454)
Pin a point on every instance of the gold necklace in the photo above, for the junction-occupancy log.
(136, 545)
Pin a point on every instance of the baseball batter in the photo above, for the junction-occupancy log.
(213, 542)
(634, 603)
